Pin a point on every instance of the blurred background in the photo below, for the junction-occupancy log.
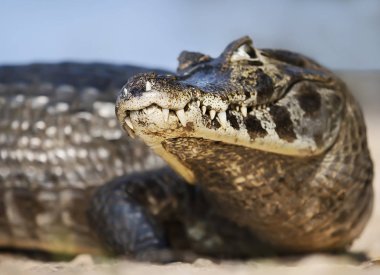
(342, 34)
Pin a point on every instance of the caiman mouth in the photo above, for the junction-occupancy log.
(184, 111)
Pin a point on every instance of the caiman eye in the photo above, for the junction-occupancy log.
(244, 52)
(189, 59)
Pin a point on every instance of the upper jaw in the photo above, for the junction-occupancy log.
(155, 107)
(163, 119)
(170, 98)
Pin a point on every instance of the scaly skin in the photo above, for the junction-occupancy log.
(274, 141)
(59, 141)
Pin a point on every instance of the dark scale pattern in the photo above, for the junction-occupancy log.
(254, 128)
(264, 86)
(284, 125)
(233, 120)
(309, 100)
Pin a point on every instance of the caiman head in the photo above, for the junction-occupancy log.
(269, 100)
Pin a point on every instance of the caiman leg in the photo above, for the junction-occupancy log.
(156, 216)
(132, 214)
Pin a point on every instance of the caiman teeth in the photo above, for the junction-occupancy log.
(204, 109)
(212, 114)
(221, 115)
(181, 116)
(243, 110)
(165, 113)
(222, 119)
(128, 122)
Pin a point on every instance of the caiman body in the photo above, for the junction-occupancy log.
(59, 140)
(266, 147)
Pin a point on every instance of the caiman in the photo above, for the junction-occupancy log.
(252, 151)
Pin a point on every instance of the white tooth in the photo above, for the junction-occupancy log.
(244, 110)
(148, 86)
(165, 113)
(212, 113)
(198, 103)
(181, 116)
(204, 109)
(222, 119)
(129, 122)
(237, 108)
(130, 132)
(125, 91)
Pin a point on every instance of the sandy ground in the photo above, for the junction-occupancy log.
(367, 84)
